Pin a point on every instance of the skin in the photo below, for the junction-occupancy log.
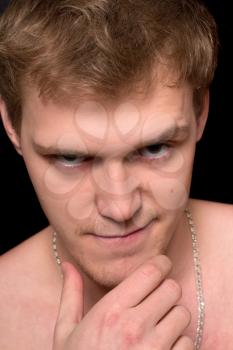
(119, 192)
(114, 286)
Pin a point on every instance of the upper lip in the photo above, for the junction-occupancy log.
(124, 234)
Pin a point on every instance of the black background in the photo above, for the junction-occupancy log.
(21, 215)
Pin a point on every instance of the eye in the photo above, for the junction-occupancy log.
(156, 151)
(69, 160)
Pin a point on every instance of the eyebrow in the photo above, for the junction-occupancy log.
(172, 132)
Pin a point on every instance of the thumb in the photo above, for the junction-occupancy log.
(71, 303)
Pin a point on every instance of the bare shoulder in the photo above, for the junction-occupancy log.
(22, 262)
(214, 223)
(25, 289)
(213, 216)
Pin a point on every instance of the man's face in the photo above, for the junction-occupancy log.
(103, 171)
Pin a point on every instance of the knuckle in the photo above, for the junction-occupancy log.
(174, 288)
(150, 269)
(111, 317)
(183, 313)
(157, 345)
(164, 262)
(187, 343)
(132, 334)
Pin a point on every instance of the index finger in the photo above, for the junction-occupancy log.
(141, 282)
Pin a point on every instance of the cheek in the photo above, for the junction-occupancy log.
(80, 206)
(57, 184)
(169, 194)
(64, 198)
(169, 186)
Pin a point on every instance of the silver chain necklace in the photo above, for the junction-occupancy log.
(198, 277)
(198, 280)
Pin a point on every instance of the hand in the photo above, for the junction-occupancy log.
(141, 313)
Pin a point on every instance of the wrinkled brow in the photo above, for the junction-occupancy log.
(172, 132)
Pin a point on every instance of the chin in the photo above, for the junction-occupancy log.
(109, 274)
(108, 265)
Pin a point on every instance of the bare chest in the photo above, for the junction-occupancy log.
(218, 330)
(217, 338)
(28, 325)
(218, 318)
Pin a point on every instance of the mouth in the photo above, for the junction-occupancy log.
(123, 235)
(124, 240)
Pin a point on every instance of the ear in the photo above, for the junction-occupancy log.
(12, 134)
(202, 118)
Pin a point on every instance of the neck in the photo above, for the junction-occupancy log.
(180, 252)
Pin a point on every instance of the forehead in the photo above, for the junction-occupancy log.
(100, 121)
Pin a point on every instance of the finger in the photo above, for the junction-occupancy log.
(159, 302)
(184, 343)
(71, 303)
(170, 328)
(141, 282)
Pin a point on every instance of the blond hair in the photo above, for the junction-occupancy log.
(106, 47)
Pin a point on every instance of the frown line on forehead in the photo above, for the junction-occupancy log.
(171, 132)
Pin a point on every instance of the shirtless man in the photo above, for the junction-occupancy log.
(105, 101)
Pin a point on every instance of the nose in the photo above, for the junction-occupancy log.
(118, 196)
(119, 209)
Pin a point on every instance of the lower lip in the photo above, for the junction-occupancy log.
(126, 241)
